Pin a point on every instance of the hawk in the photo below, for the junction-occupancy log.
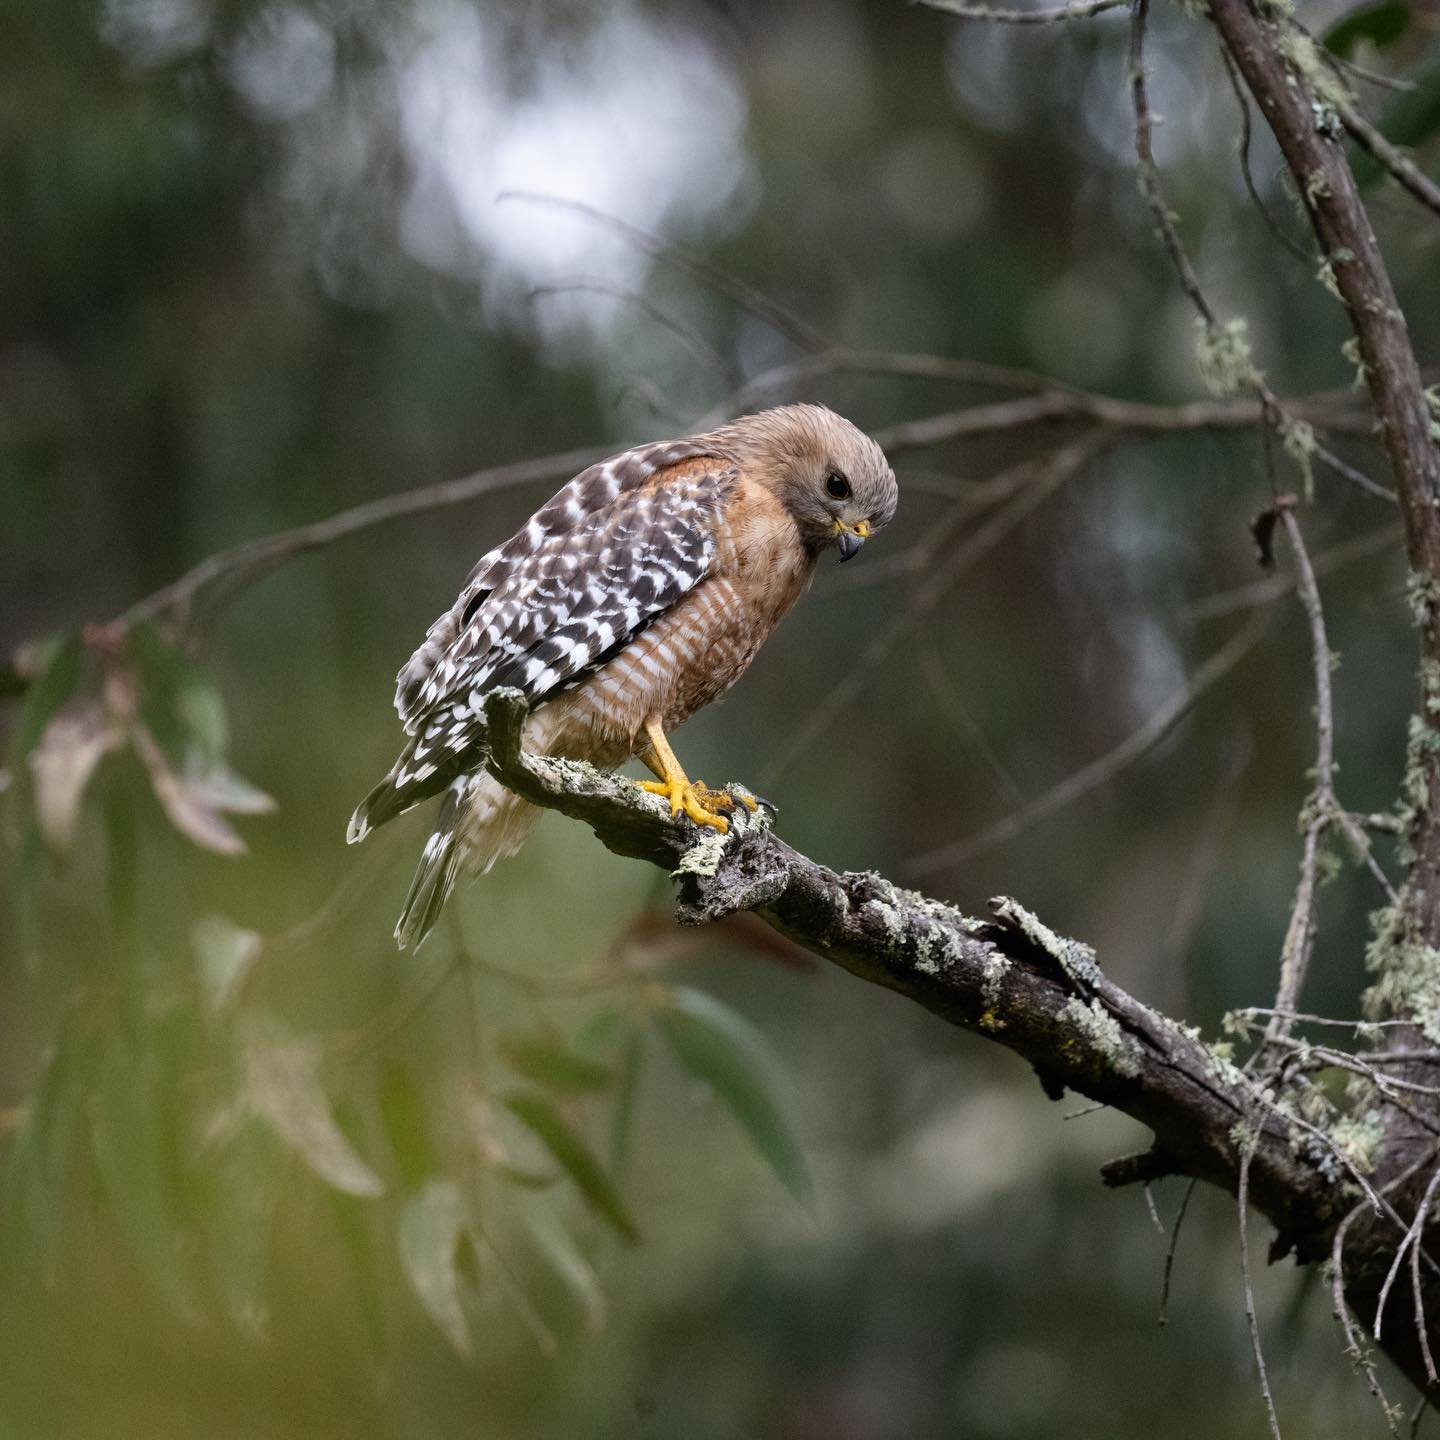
(633, 598)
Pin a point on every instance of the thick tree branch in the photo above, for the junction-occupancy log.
(1015, 981)
(1007, 977)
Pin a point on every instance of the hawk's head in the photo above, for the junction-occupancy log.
(832, 477)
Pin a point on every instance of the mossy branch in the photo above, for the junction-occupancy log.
(1007, 977)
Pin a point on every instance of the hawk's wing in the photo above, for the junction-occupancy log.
(549, 606)
(579, 506)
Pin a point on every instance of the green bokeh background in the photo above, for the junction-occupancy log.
(255, 271)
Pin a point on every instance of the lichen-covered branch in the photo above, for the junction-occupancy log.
(1302, 102)
(1009, 977)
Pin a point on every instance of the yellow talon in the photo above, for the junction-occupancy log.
(700, 804)
(697, 802)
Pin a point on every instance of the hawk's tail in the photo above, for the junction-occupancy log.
(435, 875)
(480, 822)
(411, 780)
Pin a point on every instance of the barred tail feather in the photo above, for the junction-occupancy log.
(480, 822)
(435, 875)
(410, 781)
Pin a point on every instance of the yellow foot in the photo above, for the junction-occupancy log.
(702, 805)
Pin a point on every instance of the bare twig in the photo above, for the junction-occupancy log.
(1353, 1345)
(1150, 172)
(1044, 479)
(1105, 768)
(749, 299)
(688, 336)
(1150, 1209)
(783, 380)
(1170, 1249)
(1262, 592)
(243, 564)
(1263, 210)
(953, 704)
(1243, 1204)
(1411, 1237)
(1081, 10)
(1402, 169)
(1323, 807)
(1331, 461)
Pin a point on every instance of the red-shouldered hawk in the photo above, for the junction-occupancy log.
(634, 597)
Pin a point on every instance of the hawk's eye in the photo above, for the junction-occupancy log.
(837, 485)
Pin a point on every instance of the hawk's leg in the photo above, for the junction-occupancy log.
(701, 804)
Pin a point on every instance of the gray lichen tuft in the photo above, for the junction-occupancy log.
(1406, 970)
(1298, 438)
(1422, 595)
(1117, 1050)
(704, 856)
(1358, 1138)
(1223, 354)
(1075, 959)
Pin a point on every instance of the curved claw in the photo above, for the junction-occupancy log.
(699, 804)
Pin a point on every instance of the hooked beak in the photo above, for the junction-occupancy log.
(849, 538)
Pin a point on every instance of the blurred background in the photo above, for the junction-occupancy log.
(569, 1171)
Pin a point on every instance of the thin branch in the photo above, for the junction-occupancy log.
(1243, 1205)
(1323, 807)
(1401, 168)
(1327, 562)
(749, 299)
(688, 336)
(241, 565)
(1150, 172)
(1353, 1344)
(1411, 1237)
(1353, 68)
(1331, 461)
(1103, 769)
(953, 704)
(1263, 210)
(783, 380)
(1422, 1325)
(1044, 479)
(1170, 1250)
(1082, 10)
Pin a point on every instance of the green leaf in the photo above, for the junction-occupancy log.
(25, 891)
(247, 1173)
(282, 1087)
(627, 1098)
(131, 1162)
(34, 1199)
(575, 1157)
(224, 955)
(432, 1230)
(722, 1048)
(354, 1219)
(44, 698)
(562, 1256)
(402, 1113)
(1381, 23)
(179, 703)
(541, 1057)
(122, 867)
